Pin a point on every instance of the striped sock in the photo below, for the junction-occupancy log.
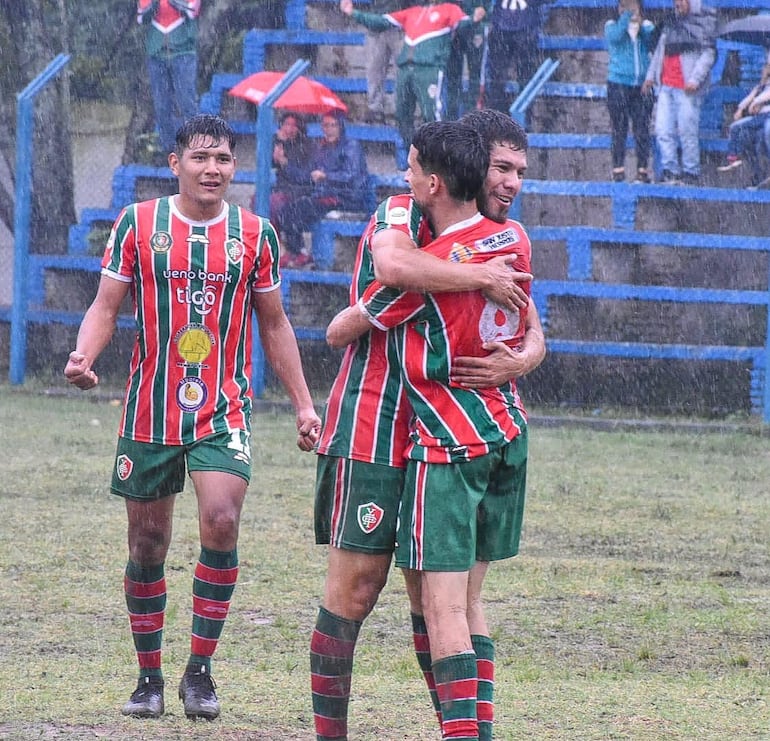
(213, 584)
(422, 651)
(456, 682)
(145, 590)
(331, 666)
(485, 666)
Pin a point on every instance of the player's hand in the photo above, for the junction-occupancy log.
(500, 366)
(308, 430)
(78, 372)
(504, 283)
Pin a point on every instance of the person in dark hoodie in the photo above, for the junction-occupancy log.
(681, 68)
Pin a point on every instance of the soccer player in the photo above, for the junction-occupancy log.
(360, 466)
(197, 268)
(463, 495)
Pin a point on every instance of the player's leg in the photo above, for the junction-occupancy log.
(356, 508)
(220, 467)
(484, 648)
(147, 476)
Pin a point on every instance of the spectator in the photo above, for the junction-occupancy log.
(338, 179)
(467, 48)
(423, 59)
(172, 62)
(629, 43)
(381, 51)
(514, 37)
(747, 139)
(681, 67)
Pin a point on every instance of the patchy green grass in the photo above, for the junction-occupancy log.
(637, 609)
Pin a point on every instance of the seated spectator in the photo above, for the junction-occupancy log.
(747, 131)
(338, 180)
(629, 43)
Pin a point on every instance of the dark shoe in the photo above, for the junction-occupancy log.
(196, 691)
(689, 179)
(146, 700)
(733, 161)
(618, 174)
(669, 178)
(642, 175)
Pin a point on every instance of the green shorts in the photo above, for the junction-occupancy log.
(455, 514)
(147, 471)
(356, 504)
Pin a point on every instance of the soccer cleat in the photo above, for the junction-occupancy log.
(731, 164)
(196, 691)
(147, 699)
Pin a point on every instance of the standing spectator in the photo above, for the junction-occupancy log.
(198, 269)
(338, 179)
(172, 63)
(467, 48)
(422, 62)
(514, 38)
(681, 67)
(747, 131)
(629, 43)
(381, 51)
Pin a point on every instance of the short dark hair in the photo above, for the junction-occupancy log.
(456, 153)
(204, 125)
(496, 127)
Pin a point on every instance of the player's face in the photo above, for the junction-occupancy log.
(503, 182)
(417, 179)
(204, 170)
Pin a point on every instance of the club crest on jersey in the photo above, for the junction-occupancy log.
(460, 253)
(234, 250)
(498, 241)
(191, 394)
(124, 466)
(369, 516)
(194, 343)
(161, 242)
(397, 215)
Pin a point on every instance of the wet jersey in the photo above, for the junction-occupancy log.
(366, 415)
(191, 284)
(453, 423)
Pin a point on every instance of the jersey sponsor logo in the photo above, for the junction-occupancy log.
(235, 250)
(197, 239)
(369, 516)
(161, 242)
(202, 299)
(397, 215)
(191, 394)
(198, 275)
(498, 241)
(460, 253)
(194, 343)
(124, 466)
(497, 324)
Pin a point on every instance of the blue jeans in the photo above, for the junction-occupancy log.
(677, 124)
(747, 142)
(173, 83)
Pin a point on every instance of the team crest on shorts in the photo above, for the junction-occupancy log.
(369, 516)
(123, 466)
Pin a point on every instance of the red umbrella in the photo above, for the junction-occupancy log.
(302, 96)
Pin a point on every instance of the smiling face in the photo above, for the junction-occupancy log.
(503, 182)
(204, 170)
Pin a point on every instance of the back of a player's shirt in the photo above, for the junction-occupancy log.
(366, 415)
(454, 423)
(192, 285)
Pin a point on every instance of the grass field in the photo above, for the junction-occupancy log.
(638, 609)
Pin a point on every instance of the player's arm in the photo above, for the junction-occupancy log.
(398, 264)
(347, 326)
(96, 330)
(503, 363)
(281, 351)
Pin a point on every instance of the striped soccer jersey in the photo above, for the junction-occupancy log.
(453, 423)
(366, 417)
(191, 284)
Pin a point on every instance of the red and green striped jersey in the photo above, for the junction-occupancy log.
(453, 423)
(366, 417)
(191, 284)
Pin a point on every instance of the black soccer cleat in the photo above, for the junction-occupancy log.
(146, 700)
(196, 691)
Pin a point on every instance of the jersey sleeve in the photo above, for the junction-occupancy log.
(388, 307)
(119, 259)
(268, 254)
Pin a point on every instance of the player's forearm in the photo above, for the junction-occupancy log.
(347, 326)
(532, 351)
(96, 331)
